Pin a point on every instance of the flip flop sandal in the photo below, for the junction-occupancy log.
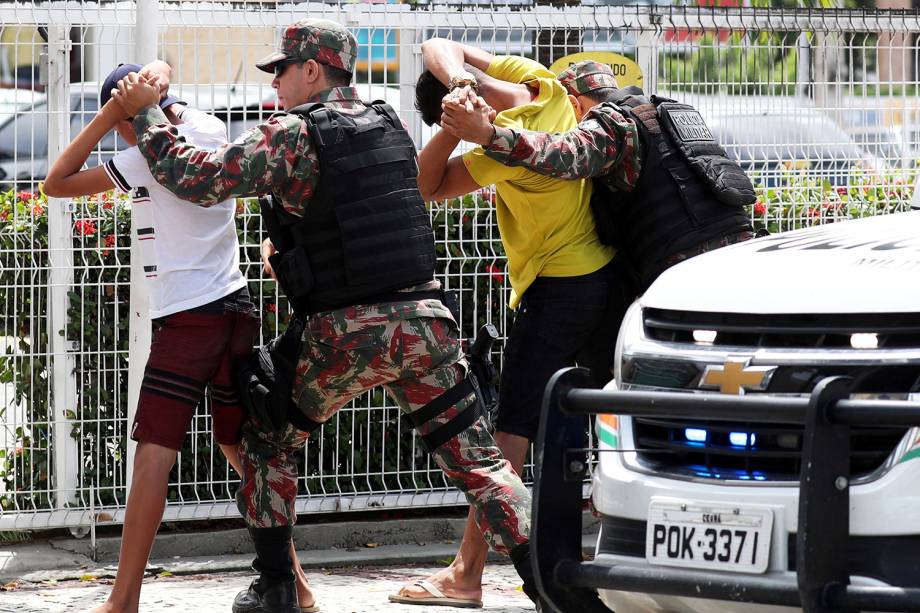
(437, 598)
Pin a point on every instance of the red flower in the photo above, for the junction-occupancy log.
(25, 196)
(760, 208)
(4, 215)
(814, 212)
(110, 240)
(38, 210)
(84, 227)
(271, 307)
(497, 274)
(842, 191)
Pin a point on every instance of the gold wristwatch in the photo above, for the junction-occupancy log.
(462, 81)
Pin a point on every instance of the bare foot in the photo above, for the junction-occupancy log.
(110, 607)
(305, 598)
(452, 581)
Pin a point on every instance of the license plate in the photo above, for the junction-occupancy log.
(709, 536)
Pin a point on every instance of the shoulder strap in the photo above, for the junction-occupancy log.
(386, 110)
(270, 219)
(305, 109)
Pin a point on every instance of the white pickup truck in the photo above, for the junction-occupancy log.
(689, 503)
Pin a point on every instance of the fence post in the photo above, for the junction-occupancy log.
(145, 51)
(61, 278)
(647, 58)
(410, 67)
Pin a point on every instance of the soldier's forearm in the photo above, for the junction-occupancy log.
(168, 154)
(599, 145)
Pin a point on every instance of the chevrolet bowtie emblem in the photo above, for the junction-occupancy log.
(735, 376)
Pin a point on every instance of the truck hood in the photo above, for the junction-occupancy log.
(867, 265)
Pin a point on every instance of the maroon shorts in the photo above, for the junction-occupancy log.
(191, 349)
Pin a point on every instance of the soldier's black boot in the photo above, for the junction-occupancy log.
(274, 590)
(520, 556)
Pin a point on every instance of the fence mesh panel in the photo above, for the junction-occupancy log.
(818, 106)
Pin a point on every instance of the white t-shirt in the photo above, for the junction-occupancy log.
(189, 253)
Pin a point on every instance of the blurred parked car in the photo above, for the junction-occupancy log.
(24, 135)
(15, 99)
(895, 145)
(771, 136)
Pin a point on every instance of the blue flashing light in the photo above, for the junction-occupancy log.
(696, 435)
(741, 439)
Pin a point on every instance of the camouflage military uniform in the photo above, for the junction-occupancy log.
(412, 348)
(604, 143)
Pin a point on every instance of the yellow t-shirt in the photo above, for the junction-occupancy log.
(546, 225)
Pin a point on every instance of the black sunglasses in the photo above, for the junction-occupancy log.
(280, 66)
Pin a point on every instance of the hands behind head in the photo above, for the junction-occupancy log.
(467, 116)
(136, 92)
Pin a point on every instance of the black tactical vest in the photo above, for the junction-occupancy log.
(688, 192)
(365, 232)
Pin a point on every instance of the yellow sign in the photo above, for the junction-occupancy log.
(626, 71)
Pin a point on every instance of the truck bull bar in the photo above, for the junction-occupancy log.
(823, 581)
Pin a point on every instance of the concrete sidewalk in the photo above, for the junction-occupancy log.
(352, 590)
(364, 543)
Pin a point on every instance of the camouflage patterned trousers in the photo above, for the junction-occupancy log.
(413, 350)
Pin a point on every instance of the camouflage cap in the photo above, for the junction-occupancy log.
(322, 40)
(586, 76)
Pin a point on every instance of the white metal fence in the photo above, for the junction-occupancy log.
(818, 105)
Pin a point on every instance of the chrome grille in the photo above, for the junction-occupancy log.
(760, 452)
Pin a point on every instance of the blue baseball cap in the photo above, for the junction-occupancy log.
(120, 72)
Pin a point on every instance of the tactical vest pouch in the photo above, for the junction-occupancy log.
(293, 271)
(367, 227)
(691, 136)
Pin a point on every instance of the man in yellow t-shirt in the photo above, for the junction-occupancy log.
(564, 281)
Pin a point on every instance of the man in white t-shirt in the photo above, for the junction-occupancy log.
(202, 314)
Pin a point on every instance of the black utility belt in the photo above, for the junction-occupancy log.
(432, 294)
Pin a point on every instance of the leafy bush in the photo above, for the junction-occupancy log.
(801, 200)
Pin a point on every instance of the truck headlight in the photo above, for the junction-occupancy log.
(630, 333)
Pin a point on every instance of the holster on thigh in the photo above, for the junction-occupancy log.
(434, 409)
(266, 378)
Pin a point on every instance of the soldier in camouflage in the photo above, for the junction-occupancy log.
(606, 144)
(408, 343)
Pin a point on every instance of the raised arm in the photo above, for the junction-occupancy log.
(276, 156)
(439, 175)
(65, 179)
(604, 142)
(446, 58)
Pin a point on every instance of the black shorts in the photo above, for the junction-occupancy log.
(560, 322)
